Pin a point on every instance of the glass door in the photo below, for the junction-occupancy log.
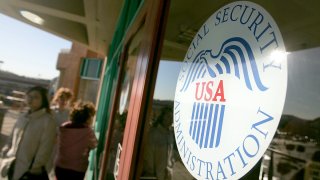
(121, 106)
(139, 57)
(294, 152)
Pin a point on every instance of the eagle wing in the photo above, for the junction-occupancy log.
(197, 69)
(234, 52)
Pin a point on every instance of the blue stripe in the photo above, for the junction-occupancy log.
(203, 73)
(200, 123)
(195, 121)
(188, 78)
(204, 124)
(235, 62)
(192, 118)
(254, 68)
(194, 72)
(253, 64)
(219, 68)
(252, 61)
(208, 127)
(220, 125)
(244, 65)
(197, 71)
(213, 130)
(191, 70)
(201, 70)
(226, 64)
(211, 72)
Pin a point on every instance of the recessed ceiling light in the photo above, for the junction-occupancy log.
(32, 17)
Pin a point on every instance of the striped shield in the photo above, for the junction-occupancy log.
(206, 124)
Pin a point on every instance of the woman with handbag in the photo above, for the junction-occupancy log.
(31, 141)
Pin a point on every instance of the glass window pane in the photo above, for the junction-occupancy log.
(161, 158)
(122, 105)
(91, 68)
(294, 152)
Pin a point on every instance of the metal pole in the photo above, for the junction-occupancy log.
(270, 169)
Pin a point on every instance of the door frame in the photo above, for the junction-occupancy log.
(152, 17)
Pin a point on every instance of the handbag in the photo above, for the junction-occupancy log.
(29, 176)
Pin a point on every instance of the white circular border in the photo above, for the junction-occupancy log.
(270, 101)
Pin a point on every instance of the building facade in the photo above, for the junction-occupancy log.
(71, 63)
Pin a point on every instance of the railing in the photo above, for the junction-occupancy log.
(303, 168)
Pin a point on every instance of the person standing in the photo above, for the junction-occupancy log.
(75, 140)
(60, 110)
(61, 100)
(158, 154)
(32, 140)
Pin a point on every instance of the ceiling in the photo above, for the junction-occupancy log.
(299, 23)
(92, 22)
(89, 22)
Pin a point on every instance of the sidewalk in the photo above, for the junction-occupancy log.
(8, 122)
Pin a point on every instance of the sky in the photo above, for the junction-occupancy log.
(303, 98)
(167, 79)
(29, 51)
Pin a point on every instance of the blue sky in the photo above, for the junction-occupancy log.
(303, 99)
(29, 51)
(168, 73)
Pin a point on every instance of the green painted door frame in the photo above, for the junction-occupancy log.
(109, 83)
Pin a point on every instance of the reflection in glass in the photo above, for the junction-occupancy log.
(158, 154)
(294, 151)
(121, 113)
(161, 158)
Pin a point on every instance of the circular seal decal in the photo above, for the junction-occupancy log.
(230, 92)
